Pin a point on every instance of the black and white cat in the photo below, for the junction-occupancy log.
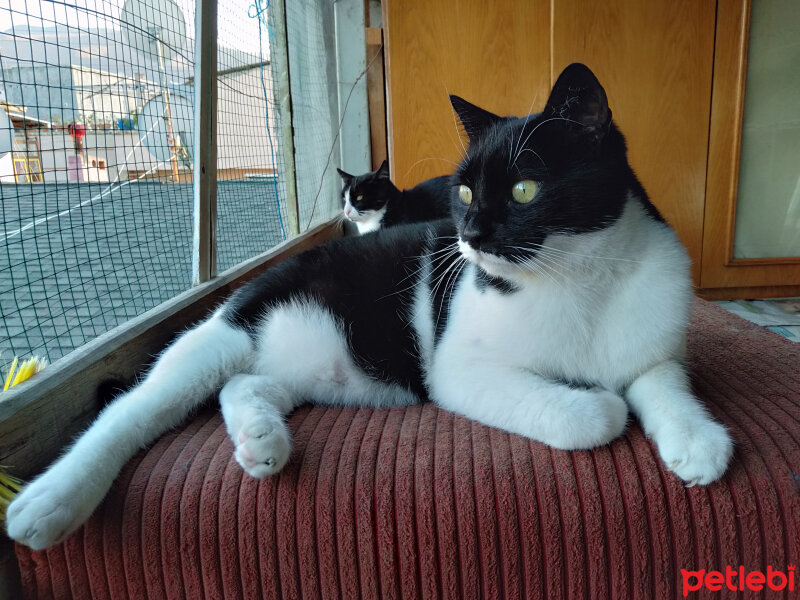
(555, 301)
(372, 201)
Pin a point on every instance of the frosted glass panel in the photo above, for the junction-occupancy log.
(768, 204)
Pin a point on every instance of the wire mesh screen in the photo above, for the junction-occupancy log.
(251, 188)
(96, 131)
(312, 62)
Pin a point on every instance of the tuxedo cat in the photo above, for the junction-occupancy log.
(552, 303)
(372, 201)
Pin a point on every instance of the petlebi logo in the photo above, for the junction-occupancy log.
(738, 580)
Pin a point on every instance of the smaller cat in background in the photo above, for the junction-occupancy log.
(372, 201)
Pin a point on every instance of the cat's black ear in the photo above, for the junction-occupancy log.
(383, 171)
(578, 96)
(346, 177)
(474, 119)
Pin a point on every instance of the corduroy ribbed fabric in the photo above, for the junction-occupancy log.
(419, 503)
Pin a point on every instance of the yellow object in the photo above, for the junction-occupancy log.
(17, 373)
(9, 488)
(26, 370)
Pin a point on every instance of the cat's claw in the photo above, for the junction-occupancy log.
(698, 453)
(263, 446)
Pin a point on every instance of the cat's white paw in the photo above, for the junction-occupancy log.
(263, 446)
(47, 510)
(697, 453)
(587, 419)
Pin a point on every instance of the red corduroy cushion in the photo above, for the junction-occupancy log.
(416, 502)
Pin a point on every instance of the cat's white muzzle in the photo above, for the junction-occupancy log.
(491, 263)
(350, 212)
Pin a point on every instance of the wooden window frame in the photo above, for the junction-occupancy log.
(723, 275)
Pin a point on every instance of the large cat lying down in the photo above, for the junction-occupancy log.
(554, 301)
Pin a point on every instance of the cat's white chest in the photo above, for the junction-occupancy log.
(531, 328)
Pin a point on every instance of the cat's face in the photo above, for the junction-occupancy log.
(365, 196)
(538, 180)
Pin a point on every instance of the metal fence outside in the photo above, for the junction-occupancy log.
(96, 129)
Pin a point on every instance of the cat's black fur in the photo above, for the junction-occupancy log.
(572, 149)
(426, 201)
(371, 298)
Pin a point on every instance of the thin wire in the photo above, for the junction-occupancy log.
(338, 131)
(260, 14)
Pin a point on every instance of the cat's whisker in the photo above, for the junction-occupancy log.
(445, 249)
(512, 149)
(565, 266)
(532, 151)
(525, 124)
(457, 263)
(562, 261)
(537, 247)
(460, 268)
(458, 131)
(550, 248)
(421, 160)
(432, 294)
(542, 123)
(452, 246)
(528, 264)
(547, 262)
(534, 252)
(437, 281)
(439, 259)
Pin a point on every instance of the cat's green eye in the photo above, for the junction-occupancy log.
(465, 194)
(359, 198)
(524, 191)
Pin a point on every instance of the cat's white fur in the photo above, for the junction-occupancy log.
(366, 221)
(611, 308)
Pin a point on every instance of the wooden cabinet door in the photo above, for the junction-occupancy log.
(654, 58)
(655, 61)
(732, 277)
(494, 54)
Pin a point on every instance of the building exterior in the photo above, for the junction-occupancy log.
(62, 76)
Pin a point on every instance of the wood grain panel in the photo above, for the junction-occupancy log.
(744, 293)
(376, 96)
(655, 61)
(496, 55)
(720, 270)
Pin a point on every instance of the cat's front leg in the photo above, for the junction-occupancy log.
(253, 407)
(522, 402)
(694, 446)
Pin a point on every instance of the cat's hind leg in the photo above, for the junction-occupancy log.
(305, 348)
(694, 446)
(303, 355)
(191, 369)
